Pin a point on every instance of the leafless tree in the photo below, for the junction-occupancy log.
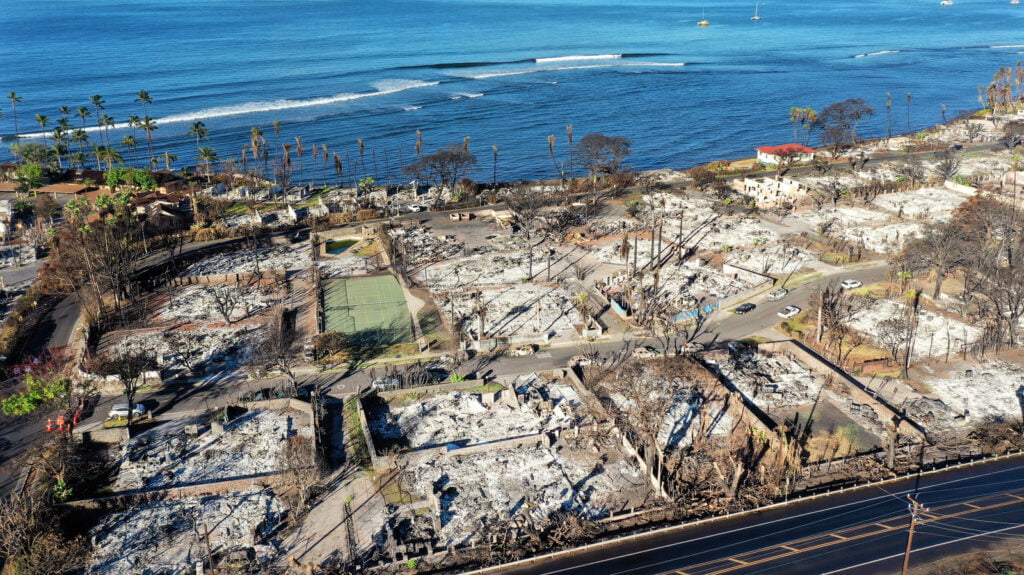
(184, 348)
(276, 347)
(526, 206)
(603, 155)
(226, 300)
(304, 468)
(129, 364)
(942, 248)
(831, 190)
(948, 166)
(444, 167)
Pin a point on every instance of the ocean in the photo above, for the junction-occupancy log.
(505, 73)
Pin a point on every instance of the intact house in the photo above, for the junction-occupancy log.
(785, 154)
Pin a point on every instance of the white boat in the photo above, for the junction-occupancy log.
(1014, 1)
(756, 17)
(946, 3)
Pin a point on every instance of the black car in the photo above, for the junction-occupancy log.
(744, 308)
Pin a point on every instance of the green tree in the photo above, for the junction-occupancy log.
(30, 177)
(43, 121)
(38, 392)
(115, 177)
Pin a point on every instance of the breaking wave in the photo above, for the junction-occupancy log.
(383, 88)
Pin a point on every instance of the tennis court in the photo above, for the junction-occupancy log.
(369, 309)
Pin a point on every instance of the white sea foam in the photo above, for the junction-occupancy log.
(877, 53)
(483, 75)
(1008, 46)
(411, 108)
(383, 88)
(572, 58)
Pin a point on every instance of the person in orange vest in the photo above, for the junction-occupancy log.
(60, 423)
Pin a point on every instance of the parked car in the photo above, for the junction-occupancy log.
(789, 311)
(120, 411)
(744, 308)
(522, 350)
(778, 294)
(851, 284)
(645, 352)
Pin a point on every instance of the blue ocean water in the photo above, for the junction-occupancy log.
(506, 73)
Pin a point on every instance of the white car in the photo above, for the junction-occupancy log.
(851, 284)
(789, 311)
(120, 411)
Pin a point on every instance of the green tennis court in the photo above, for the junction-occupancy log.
(371, 310)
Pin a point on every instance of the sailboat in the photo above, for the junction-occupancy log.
(703, 21)
(755, 16)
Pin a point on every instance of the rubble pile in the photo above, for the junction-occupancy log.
(221, 348)
(769, 381)
(164, 457)
(168, 537)
(481, 271)
(990, 391)
(611, 252)
(252, 260)
(777, 260)
(467, 418)
(525, 310)
(197, 303)
(685, 285)
(421, 246)
(874, 230)
(481, 494)
(933, 336)
(927, 204)
(294, 257)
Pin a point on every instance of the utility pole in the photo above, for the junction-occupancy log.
(915, 507)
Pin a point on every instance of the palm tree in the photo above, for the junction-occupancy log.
(76, 160)
(149, 126)
(59, 147)
(568, 134)
(494, 182)
(80, 137)
(298, 152)
(257, 143)
(208, 156)
(143, 96)
(198, 129)
(14, 98)
(419, 143)
(43, 121)
(107, 123)
(168, 159)
(133, 123)
(131, 144)
(97, 103)
(888, 111)
(83, 113)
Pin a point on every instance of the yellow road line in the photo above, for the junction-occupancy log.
(928, 518)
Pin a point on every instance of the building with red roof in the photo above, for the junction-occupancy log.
(793, 153)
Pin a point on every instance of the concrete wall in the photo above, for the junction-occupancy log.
(817, 364)
(115, 435)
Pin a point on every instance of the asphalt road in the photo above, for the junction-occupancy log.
(858, 532)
